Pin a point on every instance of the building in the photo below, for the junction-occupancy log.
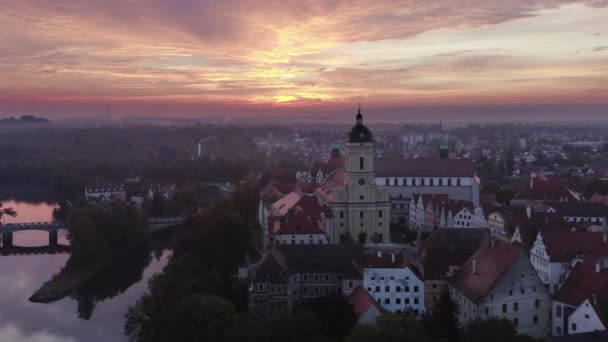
(456, 214)
(424, 213)
(405, 177)
(498, 280)
(360, 207)
(394, 282)
(365, 306)
(581, 304)
(443, 253)
(290, 274)
(573, 211)
(541, 189)
(105, 191)
(554, 253)
(300, 229)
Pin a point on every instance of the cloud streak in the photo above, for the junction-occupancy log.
(293, 52)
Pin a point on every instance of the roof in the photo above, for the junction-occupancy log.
(450, 247)
(492, 264)
(424, 168)
(310, 205)
(269, 270)
(542, 188)
(287, 202)
(581, 209)
(563, 245)
(334, 179)
(324, 258)
(361, 301)
(584, 282)
(360, 133)
(299, 223)
(383, 260)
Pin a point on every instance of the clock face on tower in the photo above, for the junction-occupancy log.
(361, 181)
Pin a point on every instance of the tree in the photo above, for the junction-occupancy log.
(391, 328)
(335, 314)
(509, 162)
(493, 330)
(6, 212)
(442, 324)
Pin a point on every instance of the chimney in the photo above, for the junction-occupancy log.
(379, 254)
(529, 211)
(594, 299)
(393, 257)
(598, 266)
(474, 266)
(531, 181)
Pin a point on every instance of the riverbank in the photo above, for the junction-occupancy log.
(61, 285)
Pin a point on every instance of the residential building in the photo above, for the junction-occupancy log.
(290, 274)
(554, 253)
(498, 280)
(541, 189)
(105, 191)
(443, 253)
(366, 308)
(581, 304)
(573, 211)
(393, 281)
(300, 229)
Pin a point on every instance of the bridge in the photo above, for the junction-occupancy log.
(18, 250)
(7, 230)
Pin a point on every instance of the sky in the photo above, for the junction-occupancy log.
(401, 59)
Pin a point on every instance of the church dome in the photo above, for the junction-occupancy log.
(360, 133)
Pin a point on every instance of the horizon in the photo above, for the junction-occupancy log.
(476, 61)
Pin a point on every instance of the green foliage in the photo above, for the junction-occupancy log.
(98, 232)
(6, 212)
(493, 330)
(391, 328)
(335, 313)
(442, 324)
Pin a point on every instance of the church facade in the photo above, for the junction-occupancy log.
(360, 207)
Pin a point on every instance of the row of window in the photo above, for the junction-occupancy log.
(423, 181)
(362, 214)
(390, 278)
(515, 306)
(406, 301)
(397, 289)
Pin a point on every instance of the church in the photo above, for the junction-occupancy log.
(360, 207)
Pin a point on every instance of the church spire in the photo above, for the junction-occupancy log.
(359, 116)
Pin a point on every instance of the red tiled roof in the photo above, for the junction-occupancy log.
(300, 224)
(424, 167)
(335, 179)
(361, 301)
(584, 282)
(562, 245)
(546, 190)
(383, 260)
(310, 205)
(492, 264)
(287, 202)
(307, 188)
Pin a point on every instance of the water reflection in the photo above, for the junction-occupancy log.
(104, 301)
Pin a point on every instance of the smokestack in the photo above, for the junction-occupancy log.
(594, 299)
(598, 266)
(379, 254)
(474, 266)
(393, 257)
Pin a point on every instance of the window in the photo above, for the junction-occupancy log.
(516, 306)
(434, 299)
(360, 163)
(558, 330)
(316, 277)
(387, 289)
(361, 214)
(387, 300)
(377, 288)
(510, 292)
(305, 289)
(386, 181)
(504, 308)
(279, 289)
(432, 181)
(415, 300)
(361, 197)
(449, 181)
(522, 290)
(415, 288)
(413, 181)
(398, 289)
(440, 181)
(407, 289)
(305, 277)
(515, 322)
(573, 326)
(458, 181)
(379, 213)
(535, 319)
(317, 290)
(260, 287)
(434, 286)
(350, 284)
(398, 300)
(422, 181)
(407, 301)
(586, 316)
(486, 311)
(537, 303)
(326, 277)
(558, 311)
(395, 181)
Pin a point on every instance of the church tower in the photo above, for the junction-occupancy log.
(361, 208)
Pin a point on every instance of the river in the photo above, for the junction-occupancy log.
(20, 276)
